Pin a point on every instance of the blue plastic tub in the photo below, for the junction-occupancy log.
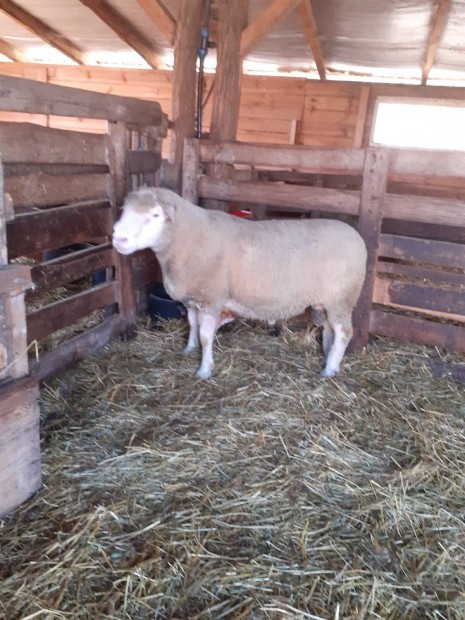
(161, 306)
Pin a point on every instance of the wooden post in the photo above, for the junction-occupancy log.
(20, 474)
(117, 148)
(184, 82)
(361, 115)
(190, 169)
(375, 177)
(232, 19)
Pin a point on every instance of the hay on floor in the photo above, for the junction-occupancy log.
(266, 493)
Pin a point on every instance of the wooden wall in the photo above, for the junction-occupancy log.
(274, 110)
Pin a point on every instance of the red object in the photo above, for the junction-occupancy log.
(245, 214)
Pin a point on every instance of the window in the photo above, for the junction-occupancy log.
(428, 124)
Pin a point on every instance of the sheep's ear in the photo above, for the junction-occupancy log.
(170, 212)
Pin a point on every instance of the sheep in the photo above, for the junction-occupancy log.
(269, 270)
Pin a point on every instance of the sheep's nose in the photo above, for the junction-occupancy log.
(119, 239)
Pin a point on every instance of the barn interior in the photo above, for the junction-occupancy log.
(128, 487)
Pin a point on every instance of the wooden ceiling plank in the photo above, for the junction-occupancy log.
(11, 52)
(438, 24)
(264, 23)
(126, 31)
(42, 30)
(160, 17)
(310, 29)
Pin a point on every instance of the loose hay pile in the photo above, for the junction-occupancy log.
(264, 494)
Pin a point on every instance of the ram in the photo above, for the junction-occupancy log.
(269, 270)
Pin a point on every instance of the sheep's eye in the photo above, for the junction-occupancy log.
(155, 215)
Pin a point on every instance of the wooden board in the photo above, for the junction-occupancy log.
(423, 250)
(19, 95)
(420, 273)
(20, 474)
(29, 143)
(143, 162)
(65, 312)
(71, 352)
(421, 331)
(47, 230)
(41, 190)
(71, 267)
(322, 161)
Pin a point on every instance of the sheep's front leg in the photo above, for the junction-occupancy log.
(208, 326)
(193, 320)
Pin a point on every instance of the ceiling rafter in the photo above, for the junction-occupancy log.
(126, 31)
(305, 11)
(264, 23)
(438, 24)
(160, 17)
(12, 52)
(42, 30)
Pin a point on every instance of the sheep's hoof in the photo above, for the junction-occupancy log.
(188, 350)
(204, 374)
(328, 372)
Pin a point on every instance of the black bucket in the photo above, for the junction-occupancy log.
(161, 306)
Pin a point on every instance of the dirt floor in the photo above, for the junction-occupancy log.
(264, 494)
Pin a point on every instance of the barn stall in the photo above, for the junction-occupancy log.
(265, 493)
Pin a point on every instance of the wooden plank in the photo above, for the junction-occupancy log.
(40, 190)
(71, 266)
(369, 226)
(71, 352)
(43, 30)
(160, 17)
(294, 197)
(420, 273)
(443, 300)
(11, 52)
(441, 369)
(264, 23)
(29, 143)
(321, 161)
(50, 170)
(420, 331)
(117, 150)
(381, 296)
(19, 95)
(20, 474)
(361, 115)
(426, 231)
(190, 170)
(426, 163)
(423, 250)
(47, 230)
(126, 31)
(308, 21)
(143, 162)
(442, 211)
(438, 24)
(65, 312)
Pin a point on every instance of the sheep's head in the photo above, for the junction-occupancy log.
(147, 213)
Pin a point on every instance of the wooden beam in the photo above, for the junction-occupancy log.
(125, 30)
(42, 30)
(310, 29)
(361, 115)
(161, 17)
(264, 23)
(21, 95)
(438, 24)
(11, 52)
(184, 81)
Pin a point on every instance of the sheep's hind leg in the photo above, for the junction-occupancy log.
(327, 338)
(342, 334)
(193, 341)
(208, 326)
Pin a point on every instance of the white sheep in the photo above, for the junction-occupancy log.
(219, 266)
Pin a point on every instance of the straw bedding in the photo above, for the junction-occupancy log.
(263, 494)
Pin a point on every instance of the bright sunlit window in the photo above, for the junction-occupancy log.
(423, 124)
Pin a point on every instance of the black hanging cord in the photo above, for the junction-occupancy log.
(202, 52)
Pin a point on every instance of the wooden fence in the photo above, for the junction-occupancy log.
(415, 284)
(61, 189)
